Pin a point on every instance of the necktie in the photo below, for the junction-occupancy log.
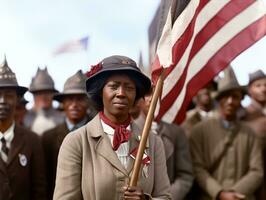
(121, 133)
(4, 148)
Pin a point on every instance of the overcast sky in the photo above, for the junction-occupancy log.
(32, 29)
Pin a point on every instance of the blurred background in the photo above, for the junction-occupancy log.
(33, 30)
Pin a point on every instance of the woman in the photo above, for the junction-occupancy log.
(95, 162)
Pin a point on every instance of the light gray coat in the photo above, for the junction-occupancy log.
(89, 169)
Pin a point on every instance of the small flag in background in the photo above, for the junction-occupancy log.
(201, 42)
(73, 46)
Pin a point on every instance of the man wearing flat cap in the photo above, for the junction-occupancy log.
(225, 152)
(22, 173)
(42, 116)
(256, 111)
(75, 104)
(256, 115)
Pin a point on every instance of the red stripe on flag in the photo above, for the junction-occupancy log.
(202, 37)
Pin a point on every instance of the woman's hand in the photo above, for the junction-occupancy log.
(230, 196)
(133, 192)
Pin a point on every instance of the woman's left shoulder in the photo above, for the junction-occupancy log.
(155, 141)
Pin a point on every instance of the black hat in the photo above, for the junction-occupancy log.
(42, 82)
(8, 79)
(228, 83)
(75, 84)
(256, 76)
(118, 64)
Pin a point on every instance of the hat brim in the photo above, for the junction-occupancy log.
(60, 96)
(44, 89)
(143, 79)
(19, 89)
(223, 92)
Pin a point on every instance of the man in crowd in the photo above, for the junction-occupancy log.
(22, 173)
(256, 115)
(75, 104)
(256, 111)
(226, 154)
(204, 107)
(179, 166)
(42, 116)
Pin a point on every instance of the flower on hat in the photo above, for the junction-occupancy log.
(94, 69)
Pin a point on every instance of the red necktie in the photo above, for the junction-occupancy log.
(121, 133)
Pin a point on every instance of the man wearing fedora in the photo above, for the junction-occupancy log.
(21, 110)
(75, 104)
(22, 173)
(256, 115)
(42, 116)
(225, 152)
(204, 109)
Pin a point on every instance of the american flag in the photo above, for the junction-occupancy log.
(73, 46)
(201, 42)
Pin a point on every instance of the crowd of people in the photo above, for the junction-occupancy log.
(85, 148)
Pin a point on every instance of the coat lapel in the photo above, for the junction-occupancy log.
(63, 131)
(134, 143)
(165, 132)
(16, 145)
(103, 145)
(2, 165)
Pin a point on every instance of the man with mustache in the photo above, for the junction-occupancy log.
(75, 104)
(22, 173)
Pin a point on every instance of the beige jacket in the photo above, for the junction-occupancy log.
(89, 169)
(240, 168)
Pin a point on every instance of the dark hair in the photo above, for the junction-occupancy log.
(95, 88)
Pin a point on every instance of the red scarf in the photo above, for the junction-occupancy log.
(121, 133)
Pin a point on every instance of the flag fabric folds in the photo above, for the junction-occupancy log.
(201, 42)
(73, 46)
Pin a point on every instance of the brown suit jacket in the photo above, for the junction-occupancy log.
(52, 140)
(179, 165)
(23, 176)
(88, 168)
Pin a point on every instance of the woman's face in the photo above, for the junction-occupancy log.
(119, 95)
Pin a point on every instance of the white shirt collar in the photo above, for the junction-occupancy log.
(205, 114)
(8, 134)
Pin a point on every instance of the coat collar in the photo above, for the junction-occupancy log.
(102, 144)
(104, 147)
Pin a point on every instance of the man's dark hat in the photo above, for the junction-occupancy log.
(8, 79)
(42, 82)
(228, 83)
(75, 84)
(259, 74)
(117, 64)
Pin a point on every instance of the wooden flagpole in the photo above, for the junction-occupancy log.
(146, 130)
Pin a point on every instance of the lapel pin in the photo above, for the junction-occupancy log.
(22, 160)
